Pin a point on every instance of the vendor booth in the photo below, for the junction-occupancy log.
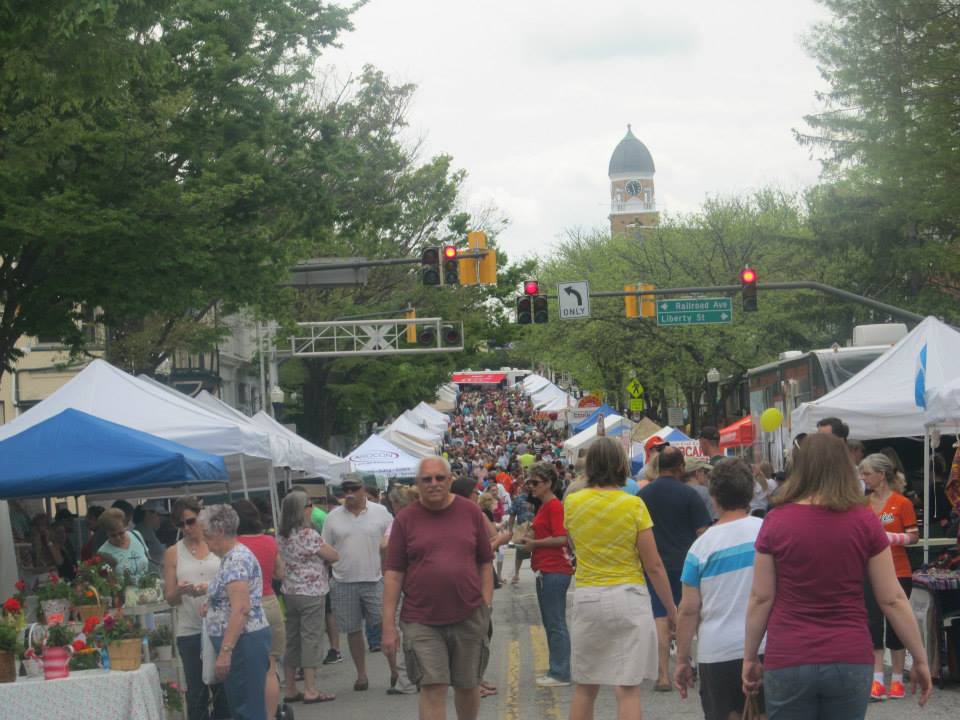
(602, 411)
(614, 426)
(738, 434)
(379, 457)
(319, 462)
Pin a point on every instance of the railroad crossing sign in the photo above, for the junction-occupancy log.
(635, 389)
(574, 300)
(695, 311)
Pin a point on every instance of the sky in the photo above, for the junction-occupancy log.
(531, 97)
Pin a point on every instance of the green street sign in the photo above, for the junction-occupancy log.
(695, 311)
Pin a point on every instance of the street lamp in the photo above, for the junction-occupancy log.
(276, 401)
(713, 379)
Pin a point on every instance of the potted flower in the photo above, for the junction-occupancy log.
(146, 590)
(57, 650)
(172, 697)
(96, 586)
(84, 657)
(56, 599)
(9, 643)
(161, 643)
(13, 612)
(122, 638)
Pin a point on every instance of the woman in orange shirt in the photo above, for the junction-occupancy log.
(899, 519)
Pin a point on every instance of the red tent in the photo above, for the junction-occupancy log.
(479, 378)
(740, 434)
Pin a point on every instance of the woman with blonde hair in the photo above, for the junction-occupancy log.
(815, 549)
(613, 639)
(899, 520)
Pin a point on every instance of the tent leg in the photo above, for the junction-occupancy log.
(243, 479)
(274, 500)
(926, 495)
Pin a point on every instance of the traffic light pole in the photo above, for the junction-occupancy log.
(385, 262)
(891, 310)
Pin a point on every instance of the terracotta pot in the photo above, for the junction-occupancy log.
(8, 666)
(56, 663)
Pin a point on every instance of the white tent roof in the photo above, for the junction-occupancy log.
(428, 411)
(408, 444)
(109, 393)
(613, 425)
(319, 461)
(376, 455)
(881, 400)
(558, 403)
(406, 426)
(532, 383)
(943, 406)
(427, 422)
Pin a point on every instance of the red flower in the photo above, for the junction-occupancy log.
(21, 586)
(108, 623)
(54, 578)
(11, 606)
(90, 623)
(79, 645)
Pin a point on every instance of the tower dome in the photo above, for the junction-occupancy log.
(631, 157)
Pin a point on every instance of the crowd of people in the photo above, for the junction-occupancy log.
(792, 586)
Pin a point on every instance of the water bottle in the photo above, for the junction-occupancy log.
(105, 659)
(145, 645)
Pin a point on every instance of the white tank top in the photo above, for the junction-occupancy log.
(195, 572)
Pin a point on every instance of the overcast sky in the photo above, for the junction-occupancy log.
(531, 97)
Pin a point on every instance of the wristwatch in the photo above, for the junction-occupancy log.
(227, 648)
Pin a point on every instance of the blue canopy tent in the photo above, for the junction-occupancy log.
(73, 453)
(604, 410)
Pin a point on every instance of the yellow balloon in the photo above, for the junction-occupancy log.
(771, 419)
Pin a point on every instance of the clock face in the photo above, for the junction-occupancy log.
(633, 188)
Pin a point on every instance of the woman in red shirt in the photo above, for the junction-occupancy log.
(899, 520)
(551, 562)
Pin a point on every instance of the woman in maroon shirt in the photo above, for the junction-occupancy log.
(814, 551)
(551, 562)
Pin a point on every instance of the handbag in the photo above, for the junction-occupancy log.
(208, 656)
(751, 708)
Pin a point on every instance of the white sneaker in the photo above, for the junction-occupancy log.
(548, 681)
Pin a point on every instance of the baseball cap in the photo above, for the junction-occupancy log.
(351, 479)
(157, 506)
(698, 463)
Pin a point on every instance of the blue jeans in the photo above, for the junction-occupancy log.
(373, 633)
(835, 691)
(198, 694)
(246, 683)
(552, 597)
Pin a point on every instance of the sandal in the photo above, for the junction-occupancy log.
(322, 697)
(663, 687)
(361, 685)
(293, 698)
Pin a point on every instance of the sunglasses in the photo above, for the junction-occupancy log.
(188, 522)
(432, 478)
(351, 488)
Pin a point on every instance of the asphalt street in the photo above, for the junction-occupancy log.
(518, 655)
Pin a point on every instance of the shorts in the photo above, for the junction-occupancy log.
(455, 654)
(721, 689)
(354, 602)
(304, 630)
(881, 631)
(676, 587)
(278, 635)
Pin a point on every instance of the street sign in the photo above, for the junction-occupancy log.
(635, 388)
(637, 405)
(675, 416)
(695, 311)
(574, 300)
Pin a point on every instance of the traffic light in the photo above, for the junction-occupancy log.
(748, 289)
(427, 336)
(540, 312)
(430, 266)
(450, 334)
(531, 287)
(411, 314)
(524, 310)
(630, 302)
(451, 266)
(648, 303)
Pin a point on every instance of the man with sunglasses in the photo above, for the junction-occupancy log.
(440, 557)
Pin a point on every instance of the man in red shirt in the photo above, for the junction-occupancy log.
(440, 557)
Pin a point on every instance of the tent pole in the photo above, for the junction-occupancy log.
(926, 494)
(274, 500)
(243, 479)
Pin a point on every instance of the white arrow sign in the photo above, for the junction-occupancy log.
(574, 300)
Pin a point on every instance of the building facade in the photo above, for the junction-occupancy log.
(633, 203)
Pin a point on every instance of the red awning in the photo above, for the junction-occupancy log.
(740, 434)
(492, 378)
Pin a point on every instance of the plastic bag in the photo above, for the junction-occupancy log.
(208, 655)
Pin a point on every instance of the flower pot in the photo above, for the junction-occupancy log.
(8, 666)
(162, 652)
(53, 609)
(125, 654)
(56, 663)
(86, 611)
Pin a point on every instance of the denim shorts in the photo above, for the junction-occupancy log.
(832, 691)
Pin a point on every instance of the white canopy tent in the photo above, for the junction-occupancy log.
(427, 422)
(532, 383)
(427, 411)
(911, 390)
(403, 425)
(446, 398)
(379, 457)
(408, 444)
(614, 426)
(319, 461)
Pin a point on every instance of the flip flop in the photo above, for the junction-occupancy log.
(322, 697)
(361, 685)
(663, 687)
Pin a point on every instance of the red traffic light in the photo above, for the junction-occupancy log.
(748, 276)
(449, 252)
(531, 287)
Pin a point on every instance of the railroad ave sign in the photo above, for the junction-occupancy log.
(574, 300)
(695, 311)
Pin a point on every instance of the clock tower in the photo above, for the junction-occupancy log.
(632, 201)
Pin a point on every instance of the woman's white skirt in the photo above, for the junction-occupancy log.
(613, 639)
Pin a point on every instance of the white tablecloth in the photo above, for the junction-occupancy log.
(86, 695)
